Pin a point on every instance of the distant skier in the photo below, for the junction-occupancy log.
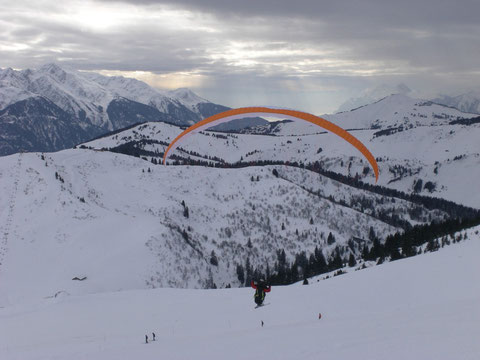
(261, 288)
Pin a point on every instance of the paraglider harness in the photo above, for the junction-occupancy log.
(261, 288)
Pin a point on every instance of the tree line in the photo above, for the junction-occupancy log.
(397, 246)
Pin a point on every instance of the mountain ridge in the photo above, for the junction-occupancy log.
(415, 153)
(96, 103)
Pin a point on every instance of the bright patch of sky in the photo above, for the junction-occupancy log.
(307, 55)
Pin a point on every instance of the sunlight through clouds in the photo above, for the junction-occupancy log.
(217, 47)
(162, 81)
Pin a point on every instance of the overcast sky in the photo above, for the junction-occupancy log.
(310, 55)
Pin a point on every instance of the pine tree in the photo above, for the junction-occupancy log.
(248, 272)
(335, 262)
(351, 261)
(240, 274)
(376, 251)
(281, 268)
(395, 254)
(292, 275)
(407, 248)
(365, 252)
(320, 265)
(213, 259)
(330, 239)
(418, 186)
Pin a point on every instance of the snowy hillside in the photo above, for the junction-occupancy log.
(187, 97)
(425, 307)
(468, 102)
(88, 236)
(427, 151)
(396, 112)
(373, 94)
(124, 223)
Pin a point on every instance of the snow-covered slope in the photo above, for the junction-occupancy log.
(373, 94)
(12, 86)
(90, 93)
(425, 145)
(392, 112)
(94, 102)
(468, 102)
(120, 221)
(425, 307)
(398, 111)
(187, 97)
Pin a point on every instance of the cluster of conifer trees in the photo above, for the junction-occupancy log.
(403, 244)
(397, 246)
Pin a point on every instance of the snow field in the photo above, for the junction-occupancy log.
(121, 226)
(425, 307)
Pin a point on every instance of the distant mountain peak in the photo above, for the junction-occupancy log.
(467, 102)
(54, 67)
(186, 96)
(50, 66)
(373, 94)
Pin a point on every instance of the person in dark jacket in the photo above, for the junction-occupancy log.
(261, 288)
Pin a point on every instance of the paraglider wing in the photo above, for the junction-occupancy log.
(281, 113)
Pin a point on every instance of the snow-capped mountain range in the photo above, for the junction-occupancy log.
(89, 103)
(412, 140)
(68, 106)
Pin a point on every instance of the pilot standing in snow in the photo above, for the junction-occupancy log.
(261, 288)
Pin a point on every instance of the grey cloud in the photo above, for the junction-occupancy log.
(439, 12)
(261, 45)
(137, 48)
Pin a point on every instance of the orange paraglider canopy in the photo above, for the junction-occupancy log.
(285, 113)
